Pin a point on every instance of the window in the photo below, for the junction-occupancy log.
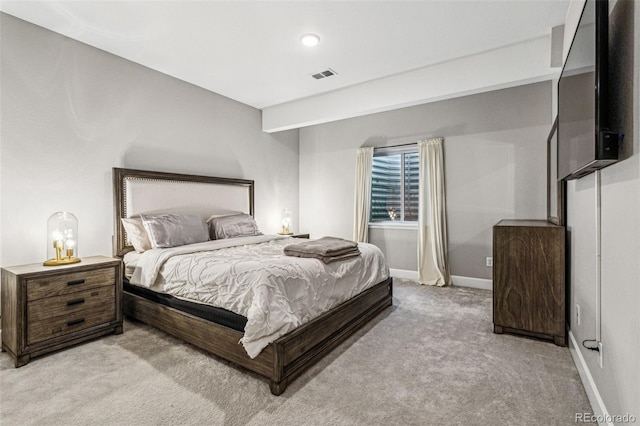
(394, 185)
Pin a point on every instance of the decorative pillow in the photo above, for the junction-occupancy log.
(212, 232)
(217, 215)
(172, 230)
(231, 226)
(136, 234)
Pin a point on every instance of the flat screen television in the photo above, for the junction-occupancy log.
(585, 143)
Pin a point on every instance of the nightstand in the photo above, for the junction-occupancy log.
(300, 236)
(47, 308)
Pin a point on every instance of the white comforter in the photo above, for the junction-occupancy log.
(252, 277)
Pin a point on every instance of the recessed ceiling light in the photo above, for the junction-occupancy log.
(310, 40)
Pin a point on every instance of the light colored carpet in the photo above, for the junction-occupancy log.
(431, 359)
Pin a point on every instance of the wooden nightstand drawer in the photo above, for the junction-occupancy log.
(68, 283)
(46, 308)
(94, 299)
(37, 331)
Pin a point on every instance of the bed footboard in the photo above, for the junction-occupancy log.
(286, 358)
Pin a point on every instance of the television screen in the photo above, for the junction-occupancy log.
(584, 142)
(577, 98)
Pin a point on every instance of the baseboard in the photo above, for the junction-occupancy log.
(403, 273)
(481, 283)
(597, 404)
(456, 280)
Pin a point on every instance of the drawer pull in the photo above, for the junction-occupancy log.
(75, 282)
(74, 322)
(75, 302)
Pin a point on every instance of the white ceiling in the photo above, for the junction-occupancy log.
(250, 50)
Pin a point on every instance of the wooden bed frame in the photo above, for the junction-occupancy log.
(282, 360)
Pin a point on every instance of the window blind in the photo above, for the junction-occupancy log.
(394, 185)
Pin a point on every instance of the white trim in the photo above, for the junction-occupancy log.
(597, 404)
(389, 224)
(403, 273)
(457, 280)
(481, 283)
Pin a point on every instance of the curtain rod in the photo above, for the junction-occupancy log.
(381, 151)
(395, 149)
(398, 146)
(405, 144)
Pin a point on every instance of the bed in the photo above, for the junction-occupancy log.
(288, 353)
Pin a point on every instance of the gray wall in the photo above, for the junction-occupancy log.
(71, 112)
(495, 166)
(618, 382)
(400, 246)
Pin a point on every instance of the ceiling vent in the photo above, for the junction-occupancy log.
(324, 74)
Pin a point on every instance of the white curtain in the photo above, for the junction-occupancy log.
(364, 162)
(433, 263)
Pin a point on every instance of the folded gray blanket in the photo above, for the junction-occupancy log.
(327, 249)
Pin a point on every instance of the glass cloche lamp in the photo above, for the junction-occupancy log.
(286, 223)
(62, 239)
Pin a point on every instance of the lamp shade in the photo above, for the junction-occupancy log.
(62, 239)
(286, 222)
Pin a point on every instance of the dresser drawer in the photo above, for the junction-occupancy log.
(38, 331)
(68, 304)
(39, 288)
(46, 309)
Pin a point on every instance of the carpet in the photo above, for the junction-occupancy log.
(431, 359)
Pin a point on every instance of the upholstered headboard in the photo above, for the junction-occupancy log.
(144, 191)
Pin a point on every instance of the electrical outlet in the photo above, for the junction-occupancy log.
(600, 354)
(489, 261)
(577, 314)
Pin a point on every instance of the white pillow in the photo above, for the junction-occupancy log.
(172, 230)
(136, 234)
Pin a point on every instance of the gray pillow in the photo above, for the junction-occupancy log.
(237, 225)
(172, 230)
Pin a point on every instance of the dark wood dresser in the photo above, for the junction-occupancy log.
(47, 308)
(528, 279)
